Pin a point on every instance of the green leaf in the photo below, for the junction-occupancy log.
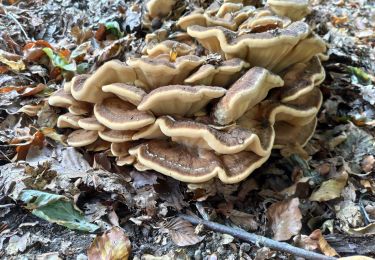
(56, 209)
(359, 74)
(59, 61)
(114, 28)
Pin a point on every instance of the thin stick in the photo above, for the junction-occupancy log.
(10, 15)
(256, 239)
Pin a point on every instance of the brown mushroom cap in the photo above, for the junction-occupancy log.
(230, 140)
(294, 9)
(125, 160)
(245, 93)
(221, 75)
(265, 49)
(68, 120)
(61, 99)
(79, 138)
(89, 88)
(177, 161)
(80, 108)
(116, 136)
(90, 123)
(121, 149)
(98, 146)
(179, 99)
(261, 23)
(165, 47)
(67, 87)
(160, 71)
(117, 114)
(159, 8)
(129, 93)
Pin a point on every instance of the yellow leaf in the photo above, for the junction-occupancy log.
(330, 189)
(14, 65)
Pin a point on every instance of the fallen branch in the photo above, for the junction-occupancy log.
(256, 239)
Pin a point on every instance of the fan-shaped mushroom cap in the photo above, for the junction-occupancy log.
(165, 47)
(89, 88)
(177, 161)
(61, 99)
(264, 23)
(79, 138)
(129, 93)
(160, 71)
(116, 136)
(80, 108)
(265, 49)
(68, 120)
(179, 99)
(122, 149)
(90, 123)
(67, 87)
(125, 160)
(294, 9)
(159, 8)
(245, 93)
(258, 138)
(98, 146)
(287, 134)
(303, 52)
(221, 75)
(117, 114)
(301, 78)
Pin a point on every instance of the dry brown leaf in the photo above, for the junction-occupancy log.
(51, 133)
(322, 243)
(368, 163)
(30, 110)
(12, 62)
(330, 189)
(336, 20)
(285, 217)
(366, 230)
(113, 244)
(305, 242)
(182, 232)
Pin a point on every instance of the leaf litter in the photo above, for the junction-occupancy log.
(321, 199)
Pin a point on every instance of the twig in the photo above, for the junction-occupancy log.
(256, 239)
(10, 15)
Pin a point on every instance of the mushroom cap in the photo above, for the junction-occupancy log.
(125, 160)
(61, 99)
(265, 49)
(160, 71)
(165, 47)
(90, 123)
(129, 93)
(258, 138)
(116, 136)
(122, 149)
(244, 94)
(67, 87)
(262, 23)
(117, 114)
(179, 99)
(89, 88)
(221, 75)
(98, 146)
(80, 108)
(294, 9)
(68, 120)
(159, 8)
(301, 78)
(81, 137)
(177, 161)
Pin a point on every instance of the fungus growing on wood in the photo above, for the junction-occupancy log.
(81, 137)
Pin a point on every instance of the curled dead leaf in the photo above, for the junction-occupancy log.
(182, 232)
(113, 244)
(322, 243)
(331, 189)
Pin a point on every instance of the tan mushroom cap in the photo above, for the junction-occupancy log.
(116, 136)
(301, 78)
(122, 149)
(264, 23)
(265, 49)
(179, 99)
(258, 138)
(68, 120)
(129, 93)
(61, 99)
(80, 108)
(287, 134)
(79, 138)
(89, 88)
(294, 9)
(117, 114)
(98, 146)
(195, 165)
(244, 94)
(125, 160)
(221, 75)
(177, 161)
(159, 8)
(160, 71)
(165, 47)
(90, 123)
(67, 87)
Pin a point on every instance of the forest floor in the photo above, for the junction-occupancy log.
(326, 191)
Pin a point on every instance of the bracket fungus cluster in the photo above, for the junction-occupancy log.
(193, 117)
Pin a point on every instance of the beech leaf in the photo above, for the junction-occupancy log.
(182, 232)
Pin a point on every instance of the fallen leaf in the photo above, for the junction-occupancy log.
(322, 243)
(18, 244)
(59, 60)
(285, 217)
(182, 232)
(51, 133)
(12, 61)
(368, 163)
(330, 189)
(30, 110)
(114, 244)
(305, 242)
(56, 209)
(336, 20)
(366, 230)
